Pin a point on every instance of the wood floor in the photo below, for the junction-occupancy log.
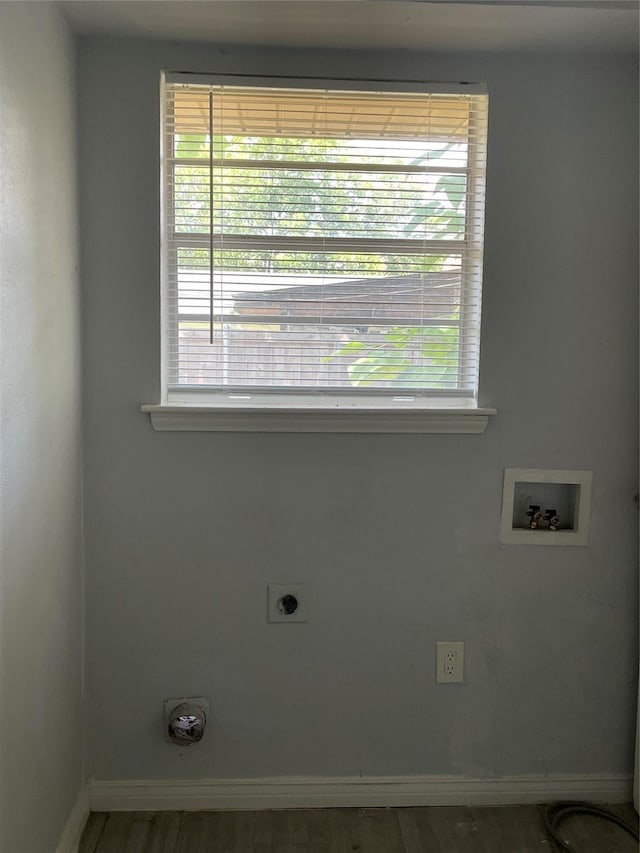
(509, 829)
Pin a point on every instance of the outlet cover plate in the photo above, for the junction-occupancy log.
(450, 663)
(277, 591)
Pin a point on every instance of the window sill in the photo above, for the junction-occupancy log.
(184, 417)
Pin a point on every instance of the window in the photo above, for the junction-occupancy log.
(321, 246)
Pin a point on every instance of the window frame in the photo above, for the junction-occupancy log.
(325, 409)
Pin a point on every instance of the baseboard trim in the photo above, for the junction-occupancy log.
(70, 840)
(314, 792)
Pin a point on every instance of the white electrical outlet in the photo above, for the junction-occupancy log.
(450, 663)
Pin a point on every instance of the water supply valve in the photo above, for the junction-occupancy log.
(534, 516)
(551, 515)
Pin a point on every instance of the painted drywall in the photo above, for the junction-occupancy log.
(397, 536)
(40, 582)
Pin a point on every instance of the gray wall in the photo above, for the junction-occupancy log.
(396, 535)
(40, 581)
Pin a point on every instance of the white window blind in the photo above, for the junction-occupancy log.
(325, 241)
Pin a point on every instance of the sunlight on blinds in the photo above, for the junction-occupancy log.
(322, 239)
(360, 115)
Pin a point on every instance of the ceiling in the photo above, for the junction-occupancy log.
(485, 25)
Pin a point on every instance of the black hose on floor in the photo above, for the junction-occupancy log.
(555, 814)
